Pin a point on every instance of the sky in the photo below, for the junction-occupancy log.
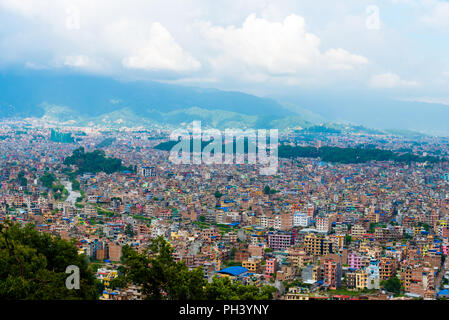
(397, 48)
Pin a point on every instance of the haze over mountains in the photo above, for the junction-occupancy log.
(373, 111)
(85, 99)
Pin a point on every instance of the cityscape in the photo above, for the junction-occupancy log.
(314, 230)
(235, 157)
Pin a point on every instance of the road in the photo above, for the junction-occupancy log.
(73, 195)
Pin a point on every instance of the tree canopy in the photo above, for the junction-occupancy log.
(393, 285)
(33, 265)
(161, 277)
(350, 155)
(94, 162)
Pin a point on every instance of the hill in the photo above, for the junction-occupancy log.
(83, 99)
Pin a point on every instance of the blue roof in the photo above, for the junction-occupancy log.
(234, 271)
(445, 291)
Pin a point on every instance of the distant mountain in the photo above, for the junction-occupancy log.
(83, 99)
(94, 100)
(373, 111)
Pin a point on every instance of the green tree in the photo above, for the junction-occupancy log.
(76, 185)
(129, 230)
(266, 190)
(21, 179)
(33, 264)
(225, 289)
(348, 239)
(94, 162)
(47, 179)
(161, 277)
(393, 285)
(218, 195)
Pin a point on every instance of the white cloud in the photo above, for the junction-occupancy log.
(161, 53)
(341, 59)
(78, 61)
(274, 48)
(72, 21)
(244, 45)
(438, 15)
(444, 101)
(35, 66)
(390, 80)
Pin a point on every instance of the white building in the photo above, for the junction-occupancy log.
(301, 220)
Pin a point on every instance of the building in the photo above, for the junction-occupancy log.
(148, 171)
(373, 275)
(296, 293)
(354, 261)
(280, 241)
(331, 273)
(357, 231)
(360, 279)
(317, 246)
(301, 220)
(322, 224)
(351, 280)
(418, 281)
(233, 272)
(271, 266)
(115, 252)
(387, 268)
(252, 265)
(310, 274)
(286, 221)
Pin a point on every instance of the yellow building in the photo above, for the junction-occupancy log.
(317, 246)
(416, 230)
(360, 279)
(251, 265)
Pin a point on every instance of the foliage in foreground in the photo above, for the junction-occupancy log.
(161, 277)
(33, 264)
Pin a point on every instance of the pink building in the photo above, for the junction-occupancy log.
(354, 261)
(445, 249)
(271, 266)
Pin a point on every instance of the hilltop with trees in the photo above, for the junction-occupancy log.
(94, 162)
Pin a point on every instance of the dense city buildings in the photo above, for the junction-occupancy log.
(321, 230)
